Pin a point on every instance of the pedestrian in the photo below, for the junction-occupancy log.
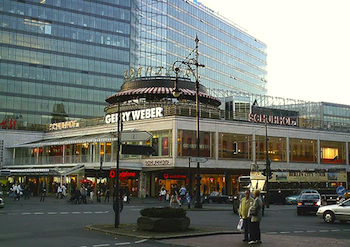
(162, 194)
(255, 212)
(127, 194)
(59, 192)
(107, 192)
(26, 192)
(174, 195)
(244, 205)
(98, 195)
(182, 192)
(43, 193)
(83, 192)
(64, 191)
(188, 199)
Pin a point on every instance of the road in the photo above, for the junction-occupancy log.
(55, 223)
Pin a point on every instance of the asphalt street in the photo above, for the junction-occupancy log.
(56, 223)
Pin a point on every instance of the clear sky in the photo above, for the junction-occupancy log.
(308, 44)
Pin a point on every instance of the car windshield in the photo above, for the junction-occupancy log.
(309, 197)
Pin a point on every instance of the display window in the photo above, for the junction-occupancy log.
(302, 150)
(235, 146)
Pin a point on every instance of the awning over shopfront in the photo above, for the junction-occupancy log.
(30, 171)
(104, 137)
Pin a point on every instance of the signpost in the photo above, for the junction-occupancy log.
(135, 136)
(198, 159)
(341, 190)
(137, 149)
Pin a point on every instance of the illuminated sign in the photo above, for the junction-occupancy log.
(157, 163)
(63, 125)
(122, 174)
(174, 176)
(155, 112)
(261, 118)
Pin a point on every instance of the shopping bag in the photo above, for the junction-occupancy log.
(240, 225)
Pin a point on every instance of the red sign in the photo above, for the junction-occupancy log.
(8, 123)
(175, 176)
(122, 175)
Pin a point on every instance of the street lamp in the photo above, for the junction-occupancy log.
(189, 63)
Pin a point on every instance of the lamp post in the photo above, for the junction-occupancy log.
(189, 63)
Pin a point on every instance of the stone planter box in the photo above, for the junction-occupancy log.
(163, 224)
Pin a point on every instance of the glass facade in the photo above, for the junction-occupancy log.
(60, 59)
(233, 59)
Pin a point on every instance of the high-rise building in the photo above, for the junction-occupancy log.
(60, 59)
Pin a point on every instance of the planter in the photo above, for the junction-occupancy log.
(163, 224)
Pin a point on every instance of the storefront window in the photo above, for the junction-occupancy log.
(276, 148)
(235, 146)
(187, 144)
(333, 152)
(302, 150)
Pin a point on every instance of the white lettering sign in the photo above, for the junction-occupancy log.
(63, 125)
(260, 118)
(157, 163)
(135, 115)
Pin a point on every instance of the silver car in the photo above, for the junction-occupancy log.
(331, 213)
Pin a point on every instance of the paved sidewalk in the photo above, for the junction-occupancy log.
(224, 240)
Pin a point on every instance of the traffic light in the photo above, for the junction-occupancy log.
(270, 175)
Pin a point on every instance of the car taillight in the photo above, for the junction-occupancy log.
(318, 203)
(300, 203)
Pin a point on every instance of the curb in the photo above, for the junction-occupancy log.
(174, 236)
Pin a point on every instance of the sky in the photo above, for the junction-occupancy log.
(308, 44)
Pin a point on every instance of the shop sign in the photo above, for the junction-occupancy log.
(155, 112)
(122, 175)
(157, 163)
(64, 125)
(174, 176)
(261, 118)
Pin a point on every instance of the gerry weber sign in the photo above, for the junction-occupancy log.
(260, 118)
(155, 112)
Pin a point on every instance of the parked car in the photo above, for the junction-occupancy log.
(308, 202)
(330, 213)
(2, 201)
(215, 196)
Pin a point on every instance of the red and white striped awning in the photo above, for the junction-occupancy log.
(186, 93)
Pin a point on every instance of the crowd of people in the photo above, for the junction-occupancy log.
(181, 195)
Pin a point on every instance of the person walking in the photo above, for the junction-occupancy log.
(162, 194)
(182, 192)
(255, 211)
(107, 192)
(43, 193)
(174, 195)
(244, 205)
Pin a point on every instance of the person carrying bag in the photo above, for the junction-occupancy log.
(245, 204)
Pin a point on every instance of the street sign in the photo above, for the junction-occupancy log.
(135, 136)
(198, 159)
(137, 149)
(341, 190)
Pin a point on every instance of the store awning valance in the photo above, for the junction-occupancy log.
(104, 137)
(30, 171)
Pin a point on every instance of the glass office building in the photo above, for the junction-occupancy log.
(60, 59)
(233, 59)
